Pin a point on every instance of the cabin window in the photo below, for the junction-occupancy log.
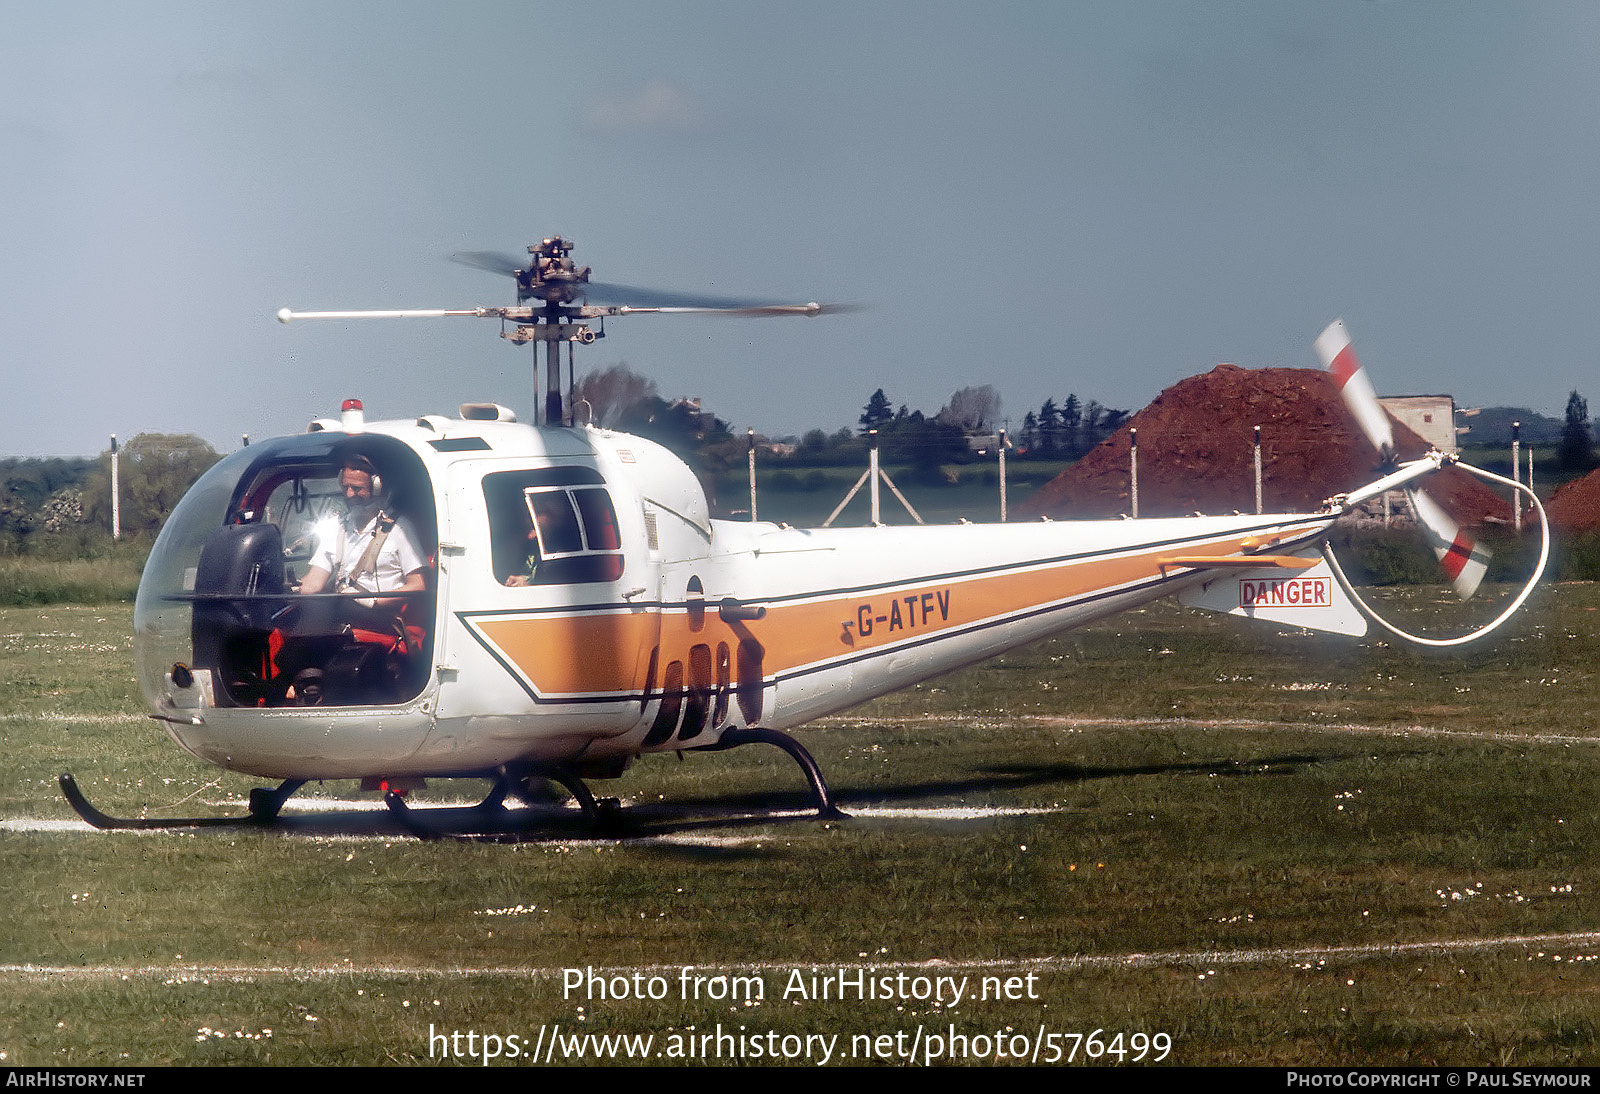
(552, 526)
(235, 574)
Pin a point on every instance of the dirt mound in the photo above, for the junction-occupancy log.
(1575, 506)
(1196, 453)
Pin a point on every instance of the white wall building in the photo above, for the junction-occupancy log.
(1431, 417)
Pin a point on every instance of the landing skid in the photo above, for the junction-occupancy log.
(264, 807)
(733, 738)
(488, 818)
(491, 817)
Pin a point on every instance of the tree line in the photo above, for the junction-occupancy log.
(1068, 430)
(62, 507)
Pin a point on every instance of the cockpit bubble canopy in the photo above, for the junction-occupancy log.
(218, 590)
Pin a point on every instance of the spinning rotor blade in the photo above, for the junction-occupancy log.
(596, 310)
(1464, 562)
(493, 261)
(1339, 358)
(632, 296)
(612, 299)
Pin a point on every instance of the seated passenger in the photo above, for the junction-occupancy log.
(367, 550)
(557, 531)
(519, 568)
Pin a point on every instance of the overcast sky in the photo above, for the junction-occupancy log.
(1096, 198)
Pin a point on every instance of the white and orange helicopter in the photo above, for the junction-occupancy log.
(581, 606)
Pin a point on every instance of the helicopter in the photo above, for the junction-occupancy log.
(580, 607)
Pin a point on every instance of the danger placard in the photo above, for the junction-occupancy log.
(1293, 592)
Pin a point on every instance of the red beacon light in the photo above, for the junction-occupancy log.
(351, 417)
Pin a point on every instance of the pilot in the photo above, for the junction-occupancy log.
(367, 550)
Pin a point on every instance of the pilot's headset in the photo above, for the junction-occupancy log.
(361, 463)
(358, 462)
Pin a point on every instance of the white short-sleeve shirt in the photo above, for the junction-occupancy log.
(340, 547)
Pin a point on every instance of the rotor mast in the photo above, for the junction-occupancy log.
(554, 278)
(552, 332)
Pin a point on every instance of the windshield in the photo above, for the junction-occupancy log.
(224, 588)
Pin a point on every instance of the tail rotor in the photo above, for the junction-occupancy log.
(1463, 559)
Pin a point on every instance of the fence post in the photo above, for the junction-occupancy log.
(1133, 470)
(116, 494)
(1530, 475)
(1002, 476)
(1258, 471)
(872, 470)
(752, 437)
(1516, 474)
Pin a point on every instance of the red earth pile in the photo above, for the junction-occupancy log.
(1196, 454)
(1575, 506)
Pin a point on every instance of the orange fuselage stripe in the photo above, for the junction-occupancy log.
(607, 652)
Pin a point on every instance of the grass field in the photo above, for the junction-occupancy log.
(1248, 846)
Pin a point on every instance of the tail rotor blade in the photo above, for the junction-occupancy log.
(1464, 560)
(1339, 358)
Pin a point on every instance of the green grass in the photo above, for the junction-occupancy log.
(26, 580)
(1284, 823)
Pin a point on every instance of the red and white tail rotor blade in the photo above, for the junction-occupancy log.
(1464, 561)
(1339, 358)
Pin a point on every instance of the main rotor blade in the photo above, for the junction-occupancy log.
(287, 315)
(1339, 358)
(632, 296)
(596, 311)
(493, 261)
